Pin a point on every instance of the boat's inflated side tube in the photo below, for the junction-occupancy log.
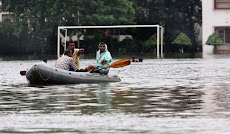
(42, 73)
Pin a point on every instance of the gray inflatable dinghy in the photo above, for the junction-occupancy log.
(42, 73)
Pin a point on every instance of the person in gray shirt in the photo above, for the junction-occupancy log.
(66, 61)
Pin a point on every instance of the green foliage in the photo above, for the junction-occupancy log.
(11, 29)
(106, 12)
(6, 27)
(133, 45)
(36, 21)
(214, 40)
(182, 39)
(174, 15)
(128, 45)
(150, 44)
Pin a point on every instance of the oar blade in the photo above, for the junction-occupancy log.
(120, 63)
(23, 72)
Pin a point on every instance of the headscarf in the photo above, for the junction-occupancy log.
(103, 56)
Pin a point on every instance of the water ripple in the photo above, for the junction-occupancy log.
(155, 96)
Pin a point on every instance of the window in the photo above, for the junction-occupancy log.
(224, 33)
(222, 4)
(7, 16)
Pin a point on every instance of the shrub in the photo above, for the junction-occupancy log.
(215, 40)
(183, 40)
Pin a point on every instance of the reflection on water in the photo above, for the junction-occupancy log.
(102, 98)
(155, 96)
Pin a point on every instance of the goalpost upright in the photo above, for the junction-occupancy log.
(159, 32)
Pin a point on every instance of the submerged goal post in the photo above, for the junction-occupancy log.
(160, 31)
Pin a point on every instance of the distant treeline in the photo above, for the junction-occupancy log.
(30, 28)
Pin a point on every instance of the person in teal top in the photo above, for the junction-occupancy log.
(103, 58)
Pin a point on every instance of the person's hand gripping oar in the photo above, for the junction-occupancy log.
(117, 64)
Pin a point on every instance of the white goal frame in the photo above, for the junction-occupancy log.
(160, 30)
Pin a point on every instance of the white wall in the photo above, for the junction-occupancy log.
(211, 18)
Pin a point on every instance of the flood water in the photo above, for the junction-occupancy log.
(160, 96)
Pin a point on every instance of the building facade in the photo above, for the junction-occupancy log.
(216, 18)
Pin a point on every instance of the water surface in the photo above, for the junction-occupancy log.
(155, 96)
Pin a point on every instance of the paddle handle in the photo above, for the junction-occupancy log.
(117, 64)
(101, 68)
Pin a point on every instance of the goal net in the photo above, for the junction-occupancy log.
(115, 32)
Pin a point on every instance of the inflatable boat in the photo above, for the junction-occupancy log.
(43, 73)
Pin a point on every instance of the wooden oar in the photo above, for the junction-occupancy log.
(23, 72)
(117, 64)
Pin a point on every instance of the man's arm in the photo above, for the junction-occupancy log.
(73, 65)
(78, 52)
(76, 56)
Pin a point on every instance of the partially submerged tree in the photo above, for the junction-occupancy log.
(214, 40)
(183, 40)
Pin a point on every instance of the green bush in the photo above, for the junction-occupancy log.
(215, 40)
(182, 40)
(150, 44)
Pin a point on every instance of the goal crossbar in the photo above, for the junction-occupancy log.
(159, 30)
